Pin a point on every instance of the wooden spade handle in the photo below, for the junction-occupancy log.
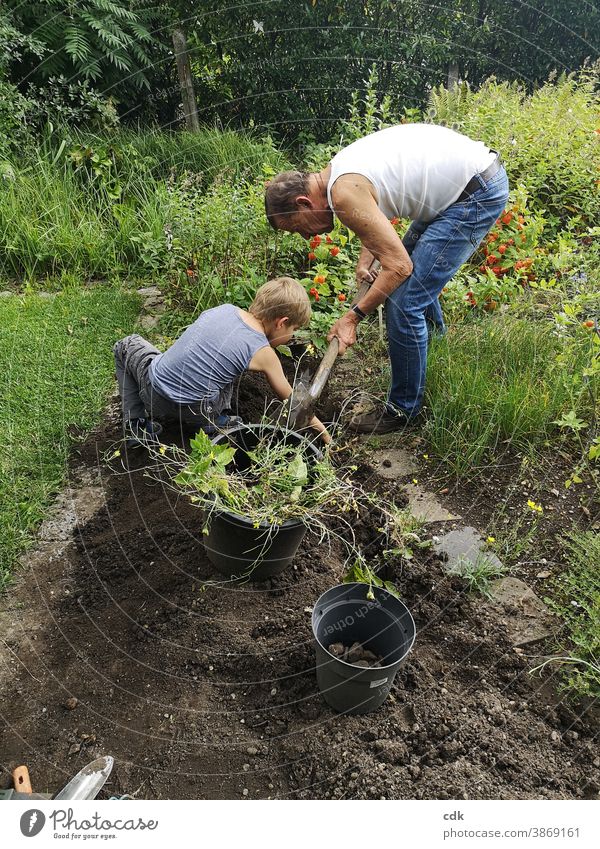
(21, 780)
(331, 354)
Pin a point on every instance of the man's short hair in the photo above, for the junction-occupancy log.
(281, 297)
(281, 194)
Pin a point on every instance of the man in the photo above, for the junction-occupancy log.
(452, 188)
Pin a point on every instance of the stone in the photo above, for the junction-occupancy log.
(336, 649)
(355, 652)
(425, 506)
(148, 322)
(393, 463)
(465, 544)
(527, 617)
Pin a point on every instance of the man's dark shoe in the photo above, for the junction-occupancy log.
(382, 421)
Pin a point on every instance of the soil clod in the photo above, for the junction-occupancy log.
(356, 654)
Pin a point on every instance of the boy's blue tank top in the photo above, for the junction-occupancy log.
(208, 356)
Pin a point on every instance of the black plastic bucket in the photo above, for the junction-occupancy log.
(384, 625)
(237, 548)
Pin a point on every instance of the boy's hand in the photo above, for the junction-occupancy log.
(320, 427)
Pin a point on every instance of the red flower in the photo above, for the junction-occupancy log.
(319, 278)
(315, 242)
(313, 292)
(507, 218)
(497, 270)
(501, 249)
(492, 259)
(329, 240)
(482, 269)
(312, 255)
(341, 297)
(394, 221)
(588, 323)
(334, 251)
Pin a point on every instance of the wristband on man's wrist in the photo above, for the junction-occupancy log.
(356, 309)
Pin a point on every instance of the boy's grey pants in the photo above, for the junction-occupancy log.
(133, 356)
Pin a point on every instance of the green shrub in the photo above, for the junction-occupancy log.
(222, 245)
(13, 112)
(547, 139)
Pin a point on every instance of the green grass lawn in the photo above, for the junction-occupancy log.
(56, 371)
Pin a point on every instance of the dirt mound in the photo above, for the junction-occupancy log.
(206, 690)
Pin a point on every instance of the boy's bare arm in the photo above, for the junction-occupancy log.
(267, 361)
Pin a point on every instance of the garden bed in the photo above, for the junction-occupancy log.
(204, 690)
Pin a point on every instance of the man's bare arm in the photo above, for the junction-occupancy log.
(356, 207)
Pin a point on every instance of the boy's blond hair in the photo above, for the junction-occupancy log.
(281, 297)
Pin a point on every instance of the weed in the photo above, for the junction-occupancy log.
(478, 573)
(576, 600)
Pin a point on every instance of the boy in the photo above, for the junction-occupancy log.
(192, 382)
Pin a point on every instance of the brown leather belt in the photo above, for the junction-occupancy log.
(474, 183)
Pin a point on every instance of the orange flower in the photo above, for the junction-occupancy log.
(501, 249)
(589, 323)
(507, 218)
(334, 251)
(319, 278)
(341, 297)
(190, 272)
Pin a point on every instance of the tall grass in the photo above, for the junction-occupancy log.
(212, 152)
(54, 218)
(500, 381)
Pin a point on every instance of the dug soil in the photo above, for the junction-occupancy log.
(127, 643)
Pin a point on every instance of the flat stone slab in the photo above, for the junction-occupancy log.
(393, 463)
(465, 544)
(148, 322)
(425, 506)
(527, 617)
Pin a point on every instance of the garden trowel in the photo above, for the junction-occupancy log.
(300, 406)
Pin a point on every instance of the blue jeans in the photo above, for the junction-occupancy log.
(437, 248)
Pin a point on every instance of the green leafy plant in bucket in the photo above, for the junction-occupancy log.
(275, 482)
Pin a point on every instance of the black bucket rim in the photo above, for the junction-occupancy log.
(243, 520)
(356, 585)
